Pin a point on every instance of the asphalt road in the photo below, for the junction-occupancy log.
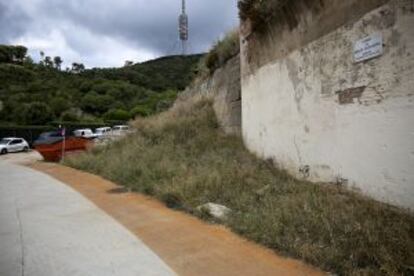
(46, 228)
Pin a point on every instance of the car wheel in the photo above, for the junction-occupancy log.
(3, 151)
(26, 149)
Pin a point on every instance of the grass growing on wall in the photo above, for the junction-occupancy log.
(263, 13)
(182, 158)
(260, 12)
(222, 51)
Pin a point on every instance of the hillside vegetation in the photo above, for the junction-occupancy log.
(39, 93)
(222, 51)
(182, 158)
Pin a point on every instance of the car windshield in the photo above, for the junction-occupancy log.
(4, 141)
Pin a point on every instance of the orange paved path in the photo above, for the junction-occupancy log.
(188, 245)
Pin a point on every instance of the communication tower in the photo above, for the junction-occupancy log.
(183, 28)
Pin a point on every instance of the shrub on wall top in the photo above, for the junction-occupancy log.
(223, 51)
(262, 12)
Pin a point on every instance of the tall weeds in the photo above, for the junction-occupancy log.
(222, 51)
(182, 158)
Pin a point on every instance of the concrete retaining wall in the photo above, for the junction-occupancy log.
(316, 112)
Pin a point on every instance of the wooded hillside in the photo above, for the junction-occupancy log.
(40, 93)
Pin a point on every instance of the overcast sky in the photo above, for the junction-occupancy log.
(105, 33)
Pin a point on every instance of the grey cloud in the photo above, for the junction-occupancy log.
(13, 22)
(146, 26)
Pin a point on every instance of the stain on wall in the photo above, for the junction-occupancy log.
(348, 96)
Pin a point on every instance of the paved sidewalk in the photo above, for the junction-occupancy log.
(46, 229)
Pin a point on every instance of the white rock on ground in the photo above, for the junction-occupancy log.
(215, 210)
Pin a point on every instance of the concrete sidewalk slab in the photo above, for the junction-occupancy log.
(46, 228)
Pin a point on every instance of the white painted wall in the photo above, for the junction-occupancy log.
(291, 112)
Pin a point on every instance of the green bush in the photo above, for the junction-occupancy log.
(59, 105)
(36, 113)
(141, 111)
(15, 74)
(222, 51)
(70, 116)
(212, 60)
(117, 115)
(95, 103)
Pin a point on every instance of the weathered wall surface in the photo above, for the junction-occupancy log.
(225, 88)
(324, 117)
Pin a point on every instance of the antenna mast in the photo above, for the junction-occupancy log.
(183, 28)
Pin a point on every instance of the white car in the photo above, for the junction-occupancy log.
(103, 132)
(12, 144)
(85, 133)
(120, 130)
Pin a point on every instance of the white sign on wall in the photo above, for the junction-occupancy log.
(368, 47)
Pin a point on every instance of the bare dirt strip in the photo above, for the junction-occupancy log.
(188, 245)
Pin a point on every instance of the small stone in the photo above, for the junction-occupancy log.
(215, 210)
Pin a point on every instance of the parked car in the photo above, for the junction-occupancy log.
(103, 132)
(12, 144)
(120, 130)
(85, 133)
(49, 137)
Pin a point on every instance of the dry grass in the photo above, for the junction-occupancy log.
(182, 158)
(261, 12)
(265, 13)
(222, 51)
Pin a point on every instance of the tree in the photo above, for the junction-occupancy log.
(19, 53)
(59, 105)
(12, 54)
(58, 62)
(77, 68)
(5, 54)
(35, 113)
(97, 104)
(71, 115)
(48, 62)
(128, 63)
(28, 60)
(141, 111)
(117, 115)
